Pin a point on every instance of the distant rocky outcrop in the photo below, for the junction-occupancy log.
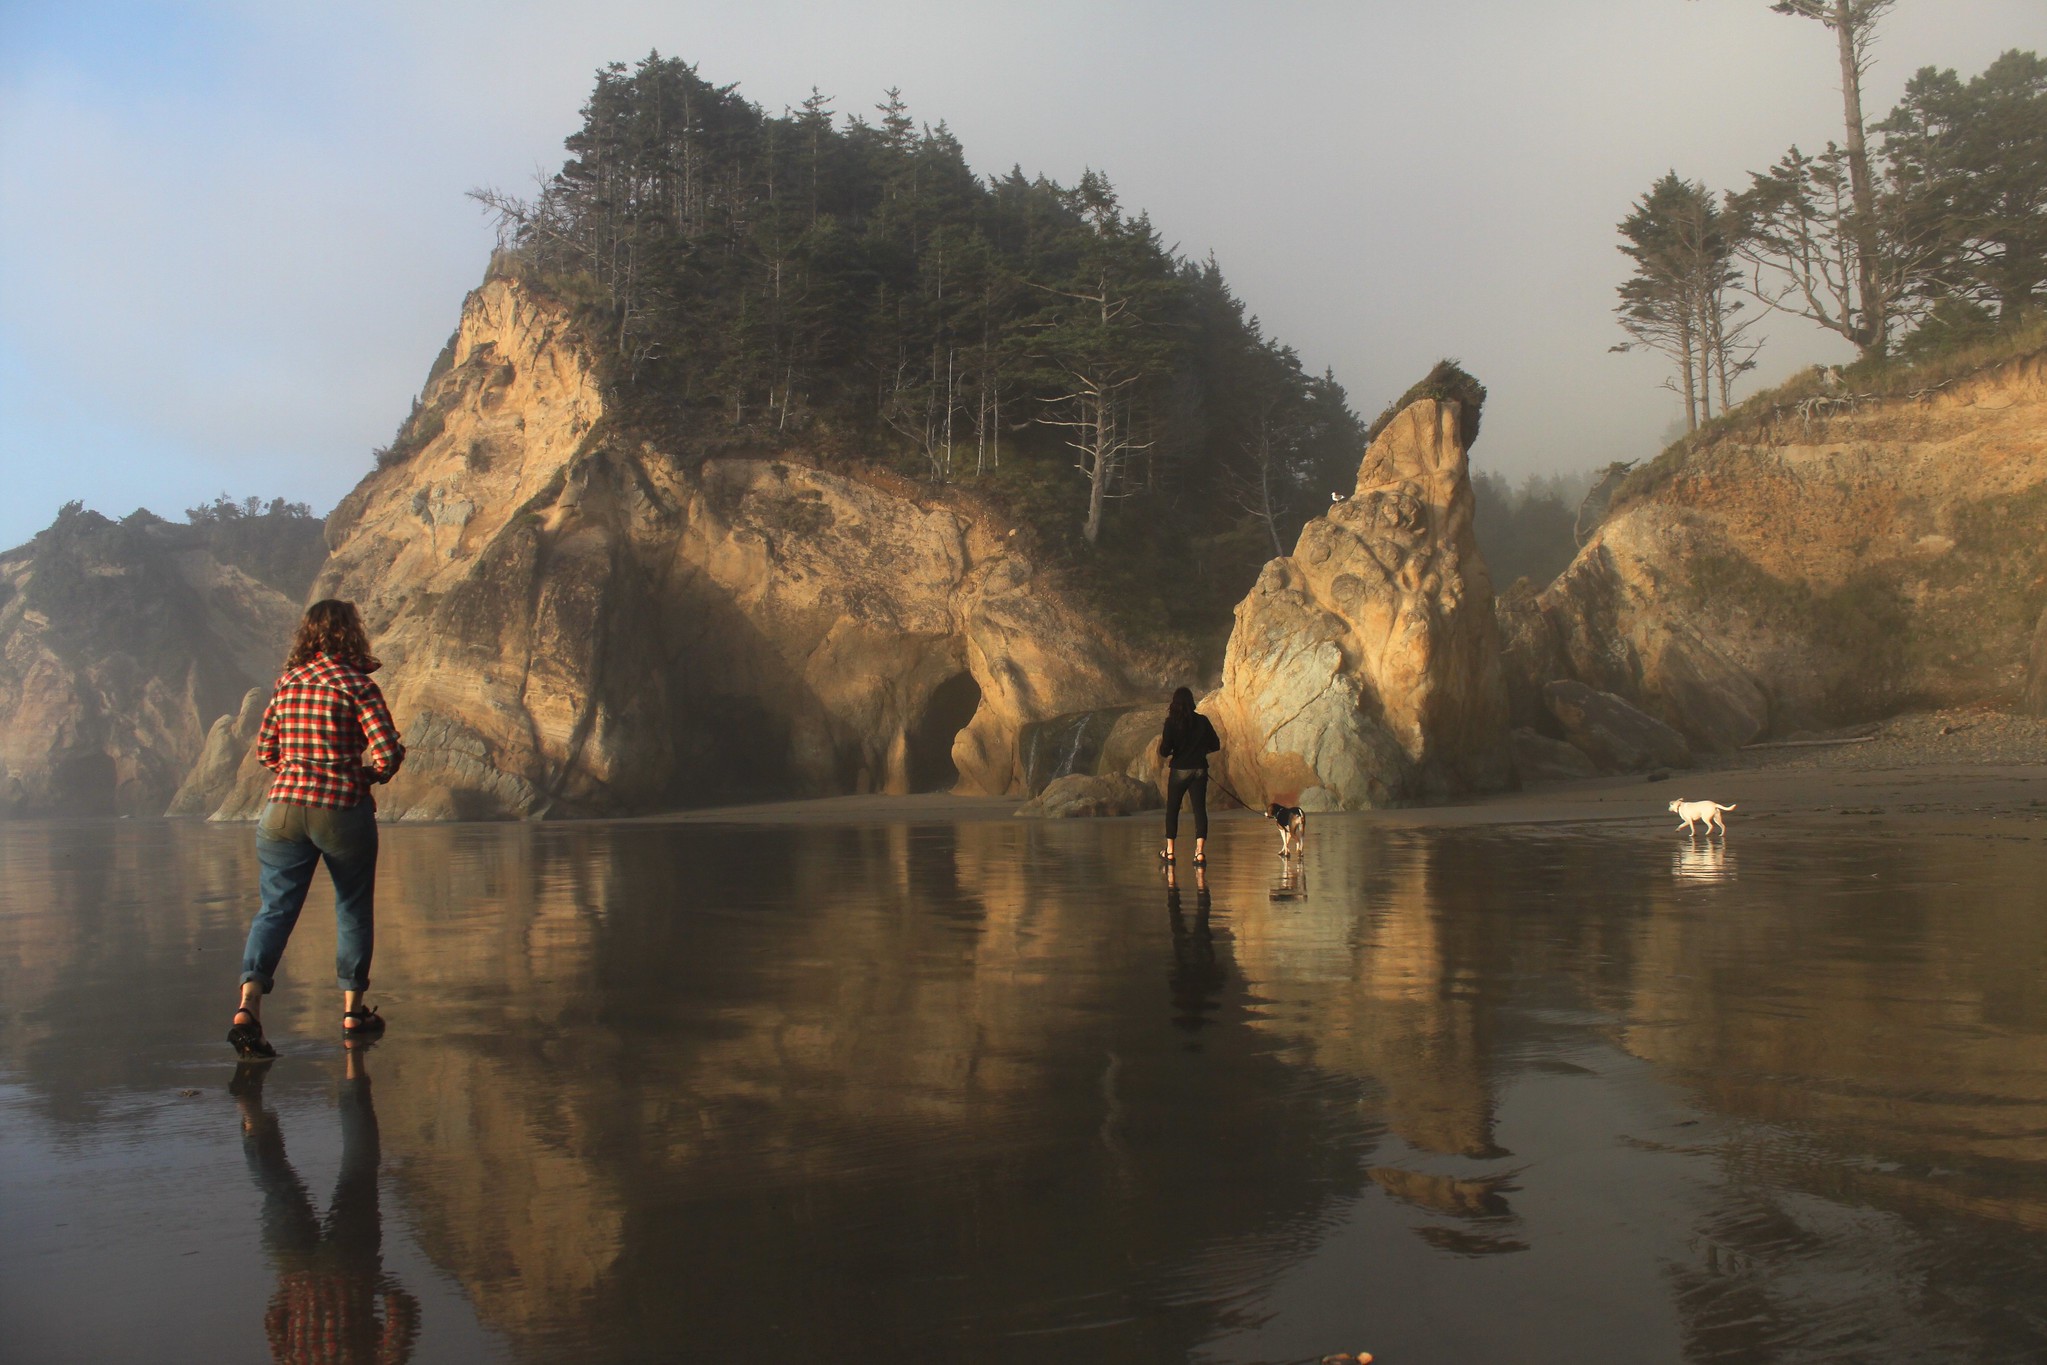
(1364, 668)
(228, 746)
(1824, 565)
(576, 622)
(121, 642)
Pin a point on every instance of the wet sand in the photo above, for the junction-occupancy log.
(907, 1078)
(1889, 776)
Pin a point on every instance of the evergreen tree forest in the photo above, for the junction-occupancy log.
(846, 288)
(1920, 233)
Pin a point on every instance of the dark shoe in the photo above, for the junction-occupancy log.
(247, 1039)
(1165, 857)
(362, 1024)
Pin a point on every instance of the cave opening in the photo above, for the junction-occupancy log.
(952, 705)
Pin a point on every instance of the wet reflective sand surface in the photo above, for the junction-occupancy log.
(992, 1091)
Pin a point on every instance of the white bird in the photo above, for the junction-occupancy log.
(1339, 497)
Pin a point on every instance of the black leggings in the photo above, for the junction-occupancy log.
(1191, 782)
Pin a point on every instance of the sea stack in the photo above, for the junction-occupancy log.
(1364, 669)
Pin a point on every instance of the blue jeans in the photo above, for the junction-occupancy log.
(290, 841)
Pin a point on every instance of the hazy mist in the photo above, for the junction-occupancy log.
(233, 238)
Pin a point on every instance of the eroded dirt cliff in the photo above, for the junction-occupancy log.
(575, 622)
(1814, 569)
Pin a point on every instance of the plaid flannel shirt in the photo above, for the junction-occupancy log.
(327, 735)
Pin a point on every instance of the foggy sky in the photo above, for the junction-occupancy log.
(233, 235)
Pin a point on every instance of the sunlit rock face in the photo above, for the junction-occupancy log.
(120, 642)
(1815, 570)
(574, 622)
(1364, 668)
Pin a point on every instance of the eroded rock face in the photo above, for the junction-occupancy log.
(1814, 572)
(120, 643)
(574, 623)
(1613, 734)
(1364, 668)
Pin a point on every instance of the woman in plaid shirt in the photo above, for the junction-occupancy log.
(328, 736)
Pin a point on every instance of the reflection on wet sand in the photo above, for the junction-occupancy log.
(1882, 1065)
(334, 1304)
(1693, 861)
(1198, 976)
(877, 1091)
(731, 1051)
(1367, 986)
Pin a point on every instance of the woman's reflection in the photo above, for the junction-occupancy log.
(1197, 980)
(330, 1274)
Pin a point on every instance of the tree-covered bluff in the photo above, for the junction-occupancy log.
(851, 291)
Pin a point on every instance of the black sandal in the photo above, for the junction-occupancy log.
(1165, 857)
(368, 1023)
(247, 1039)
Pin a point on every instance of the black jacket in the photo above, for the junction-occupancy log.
(1188, 743)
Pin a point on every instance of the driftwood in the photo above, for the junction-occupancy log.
(1808, 743)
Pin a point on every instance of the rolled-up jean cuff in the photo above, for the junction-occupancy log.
(266, 982)
(358, 984)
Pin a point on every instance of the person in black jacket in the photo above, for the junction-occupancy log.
(1185, 744)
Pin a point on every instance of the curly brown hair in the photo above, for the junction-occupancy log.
(332, 628)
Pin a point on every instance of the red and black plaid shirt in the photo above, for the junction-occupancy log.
(327, 735)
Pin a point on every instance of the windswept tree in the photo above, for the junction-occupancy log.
(1823, 239)
(1680, 299)
(1967, 164)
(1866, 321)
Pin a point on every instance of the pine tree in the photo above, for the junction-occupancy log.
(1679, 299)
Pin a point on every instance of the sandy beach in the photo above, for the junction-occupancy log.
(1975, 764)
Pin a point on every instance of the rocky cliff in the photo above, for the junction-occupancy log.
(576, 622)
(120, 643)
(1364, 668)
(1816, 567)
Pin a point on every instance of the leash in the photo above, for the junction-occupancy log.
(1227, 791)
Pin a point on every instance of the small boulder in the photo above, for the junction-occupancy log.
(1616, 736)
(1538, 758)
(1081, 794)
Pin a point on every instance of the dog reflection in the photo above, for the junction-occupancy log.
(1702, 862)
(1198, 977)
(334, 1304)
(1293, 882)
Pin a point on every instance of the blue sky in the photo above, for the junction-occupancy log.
(233, 235)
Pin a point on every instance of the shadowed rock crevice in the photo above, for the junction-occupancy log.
(949, 710)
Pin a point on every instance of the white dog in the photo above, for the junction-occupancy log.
(1694, 813)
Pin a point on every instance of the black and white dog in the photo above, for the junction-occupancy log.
(1293, 827)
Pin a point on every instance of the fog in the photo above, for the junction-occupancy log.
(234, 237)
